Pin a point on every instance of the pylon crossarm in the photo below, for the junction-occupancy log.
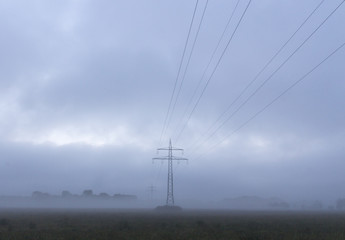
(167, 149)
(176, 158)
(161, 149)
(161, 158)
(172, 158)
(177, 149)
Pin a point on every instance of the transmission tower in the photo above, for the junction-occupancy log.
(151, 189)
(170, 158)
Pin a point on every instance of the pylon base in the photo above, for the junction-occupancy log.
(168, 208)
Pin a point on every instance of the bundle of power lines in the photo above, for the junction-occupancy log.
(240, 9)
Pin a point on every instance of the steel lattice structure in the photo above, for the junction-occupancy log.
(170, 158)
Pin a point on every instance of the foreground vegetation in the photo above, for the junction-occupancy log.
(111, 224)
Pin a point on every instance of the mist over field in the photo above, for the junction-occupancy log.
(90, 89)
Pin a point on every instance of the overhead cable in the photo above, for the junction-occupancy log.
(209, 63)
(256, 77)
(277, 97)
(270, 77)
(214, 70)
(178, 72)
(187, 65)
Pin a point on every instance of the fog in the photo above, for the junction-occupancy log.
(85, 88)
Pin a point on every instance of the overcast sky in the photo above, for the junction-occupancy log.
(85, 87)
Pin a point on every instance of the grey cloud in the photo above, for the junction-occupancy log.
(75, 73)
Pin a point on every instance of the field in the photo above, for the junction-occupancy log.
(148, 224)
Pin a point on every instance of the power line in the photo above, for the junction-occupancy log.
(187, 65)
(279, 96)
(178, 72)
(209, 63)
(270, 77)
(214, 70)
(257, 76)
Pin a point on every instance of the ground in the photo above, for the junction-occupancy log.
(149, 224)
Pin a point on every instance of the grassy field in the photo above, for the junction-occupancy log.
(145, 224)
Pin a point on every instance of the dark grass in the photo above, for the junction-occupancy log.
(145, 224)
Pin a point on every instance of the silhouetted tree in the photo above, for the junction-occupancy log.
(104, 195)
(124, 197)
(66, 194)
(340, 204)
(87, 193)
(39, 195)
(317, 205)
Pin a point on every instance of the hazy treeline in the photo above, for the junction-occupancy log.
(85, 194)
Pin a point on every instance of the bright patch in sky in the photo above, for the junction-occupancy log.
(259, 142)
(120, 137)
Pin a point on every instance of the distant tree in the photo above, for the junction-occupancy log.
(277, 203)
(125, 197)
(66, 194)
(340, 205)
(39, 195)
(104, 195)
(36, 194)
(317, 205)
(87, 193)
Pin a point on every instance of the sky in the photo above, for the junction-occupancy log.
(85, 88)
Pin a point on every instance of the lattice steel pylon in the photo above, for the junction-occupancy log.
(170, 158)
